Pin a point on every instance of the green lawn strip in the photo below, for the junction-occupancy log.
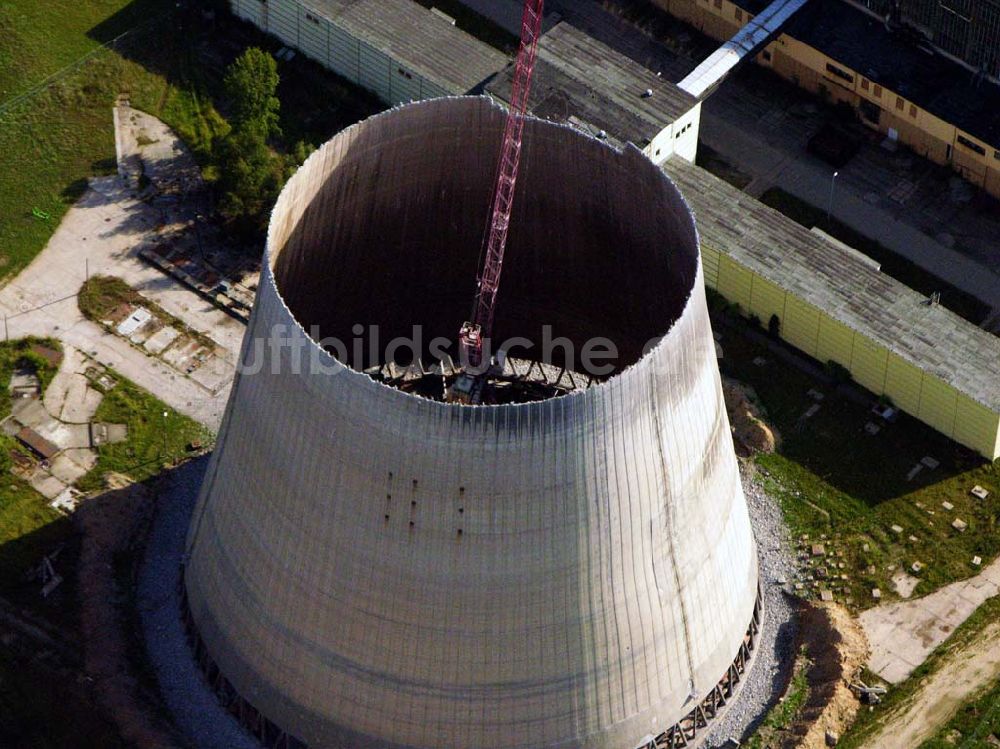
(100, 296)
(40, 39)
(51, 143)
(29, 528)
(898, 696)
(973, 725)
(833, 479)
(897, 266)
(154, 439)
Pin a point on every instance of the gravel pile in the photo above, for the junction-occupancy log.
(189, 699)
(772, 666)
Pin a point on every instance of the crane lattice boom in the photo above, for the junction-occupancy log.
(472, 333)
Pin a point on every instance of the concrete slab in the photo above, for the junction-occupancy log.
(903, 634)
(66, 469)
(87, 459)
(66, 501)
(30, 412)
(157, 342)
(904, 584)
(47, 485)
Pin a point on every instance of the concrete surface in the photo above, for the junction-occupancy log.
(903, 634)
(103, 229)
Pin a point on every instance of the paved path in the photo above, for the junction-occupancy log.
(903, 634)
(101, 233)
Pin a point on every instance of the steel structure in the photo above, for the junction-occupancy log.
(369, 568)
(472, 333)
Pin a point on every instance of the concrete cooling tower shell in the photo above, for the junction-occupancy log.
(369, 568)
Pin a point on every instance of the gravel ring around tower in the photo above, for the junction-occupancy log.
(197, 714)
(775, 658)
(190, 701)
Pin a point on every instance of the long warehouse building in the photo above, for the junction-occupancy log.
(831, 305)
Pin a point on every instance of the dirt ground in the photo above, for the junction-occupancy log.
(837, 647)
(967, 671)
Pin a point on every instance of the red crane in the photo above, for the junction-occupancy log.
(480, 327)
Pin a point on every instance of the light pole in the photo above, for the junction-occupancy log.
(164, 433)
(829, 206)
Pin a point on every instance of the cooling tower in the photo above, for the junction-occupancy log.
(367, 567)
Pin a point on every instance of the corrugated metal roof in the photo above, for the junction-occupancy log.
(929, 336)
(580, 76)
(424, 42)
(38, 444)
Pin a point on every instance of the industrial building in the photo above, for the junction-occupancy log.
(834, 306)
(898, 85)
(584, 82)
(969, 30)
(397, 49)
(370, 568)
(831, 305)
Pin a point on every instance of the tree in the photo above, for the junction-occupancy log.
(251, 176)
(251, 86)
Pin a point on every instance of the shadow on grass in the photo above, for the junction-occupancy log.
(191, 48)
(832, 442)
(87, 625)
(20, 556)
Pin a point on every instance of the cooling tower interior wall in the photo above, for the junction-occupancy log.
(372, 569)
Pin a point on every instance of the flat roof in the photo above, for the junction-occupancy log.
(577, 76)
(869, 302)
(933, 82)
(426, 43)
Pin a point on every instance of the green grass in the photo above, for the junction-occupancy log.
(29, 528)
(52, 141)
(898, 696)
(39, 39)
(153, 439)
(909, 273)
(100, 296)
(973, 725)
(833, 479)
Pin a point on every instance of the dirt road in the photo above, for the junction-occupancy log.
(966, 671)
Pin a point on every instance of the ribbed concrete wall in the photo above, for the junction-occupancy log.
(606, 570)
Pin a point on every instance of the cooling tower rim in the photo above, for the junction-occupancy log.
(630, 371)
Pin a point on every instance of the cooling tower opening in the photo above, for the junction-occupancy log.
(389, 221)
